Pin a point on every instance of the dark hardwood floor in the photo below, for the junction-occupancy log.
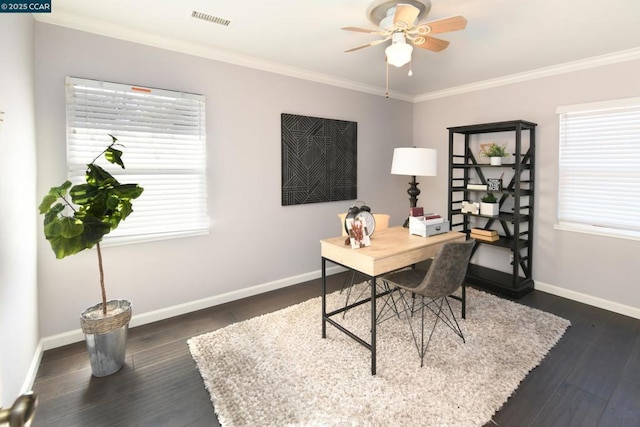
(590, 378)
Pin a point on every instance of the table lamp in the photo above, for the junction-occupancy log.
(414, 162)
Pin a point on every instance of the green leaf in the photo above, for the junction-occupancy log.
(112, 202)
(54, 194)
(114, 156)
(52, 214)
(63, 247)
(99, 177)
(125, 209)
(128, 191)
(65, 227)
(85, 194)
(46, 203)
(94, 231)
(65, 236)
(70, 227)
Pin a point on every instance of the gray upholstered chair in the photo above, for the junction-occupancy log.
(431, 286)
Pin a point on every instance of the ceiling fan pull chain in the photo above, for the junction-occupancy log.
(410, 70)
(386, 95)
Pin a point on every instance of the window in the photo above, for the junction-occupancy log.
(599, 176)
(163, 134)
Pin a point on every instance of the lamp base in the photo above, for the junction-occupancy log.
(413, 193)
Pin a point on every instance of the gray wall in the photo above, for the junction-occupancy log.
(595, 269)
(18, 288)
(254, 240)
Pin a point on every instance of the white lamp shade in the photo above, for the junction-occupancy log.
(414, 161)
(399, 54)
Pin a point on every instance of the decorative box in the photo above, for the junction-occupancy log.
(421, 227)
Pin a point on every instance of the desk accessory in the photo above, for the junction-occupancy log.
(363, 211)
(414, 162)
(426, 226)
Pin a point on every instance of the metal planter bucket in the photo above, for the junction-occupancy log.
(106, 337)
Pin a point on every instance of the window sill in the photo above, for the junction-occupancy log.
(598, 231)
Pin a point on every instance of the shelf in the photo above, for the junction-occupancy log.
(516, 226)
(523, 192)
(487, 165)
(506, 242)
(498, 281)
(511, 125)
(503, 216)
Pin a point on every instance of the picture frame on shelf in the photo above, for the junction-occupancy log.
(494, 184)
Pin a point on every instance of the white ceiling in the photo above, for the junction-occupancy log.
(503, 38)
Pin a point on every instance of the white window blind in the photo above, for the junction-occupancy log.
(163, 134)
(599, 176)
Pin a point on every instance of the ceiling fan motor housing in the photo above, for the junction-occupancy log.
(380, 9)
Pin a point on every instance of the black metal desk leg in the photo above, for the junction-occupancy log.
(324, 297)
(374, 311)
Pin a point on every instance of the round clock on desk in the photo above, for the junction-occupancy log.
(363, 212)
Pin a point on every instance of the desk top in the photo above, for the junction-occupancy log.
(390, 249)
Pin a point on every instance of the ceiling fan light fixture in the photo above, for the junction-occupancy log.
(399, 53)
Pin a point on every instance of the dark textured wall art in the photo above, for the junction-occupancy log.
(319, 160)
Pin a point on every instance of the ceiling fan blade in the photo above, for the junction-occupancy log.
(365, 30)
(430, 43)
(444, 25)
(373, 43)
(405, 15)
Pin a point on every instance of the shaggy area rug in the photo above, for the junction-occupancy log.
(276, 370)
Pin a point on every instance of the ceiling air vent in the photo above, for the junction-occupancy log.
(210, 18)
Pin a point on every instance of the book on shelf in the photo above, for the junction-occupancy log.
(477, 187)
(484, 232)
(485, 238)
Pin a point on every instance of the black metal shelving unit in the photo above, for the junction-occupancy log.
(515, 226)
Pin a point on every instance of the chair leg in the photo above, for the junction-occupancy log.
(448, 319)
(388, 305)
(464, 301)
(348, 280)
(442, 314)
(348, 285)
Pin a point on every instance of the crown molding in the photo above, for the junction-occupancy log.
(70, 20)
(73, 21)
(568, 67)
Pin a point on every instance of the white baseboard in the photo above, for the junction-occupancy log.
(589, 300)
(76, 335)
(177, 310)
(33, 370)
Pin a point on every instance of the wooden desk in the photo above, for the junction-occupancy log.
(390, 250)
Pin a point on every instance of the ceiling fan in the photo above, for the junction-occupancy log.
(399, 25)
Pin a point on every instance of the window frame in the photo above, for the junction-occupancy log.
(584, 126)
(163, 135)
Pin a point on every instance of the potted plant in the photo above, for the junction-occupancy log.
(77, 218)
(495, 152)
(489, 205)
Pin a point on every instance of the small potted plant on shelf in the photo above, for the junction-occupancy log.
(494, 151)
(77, 218)
(489, 205)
